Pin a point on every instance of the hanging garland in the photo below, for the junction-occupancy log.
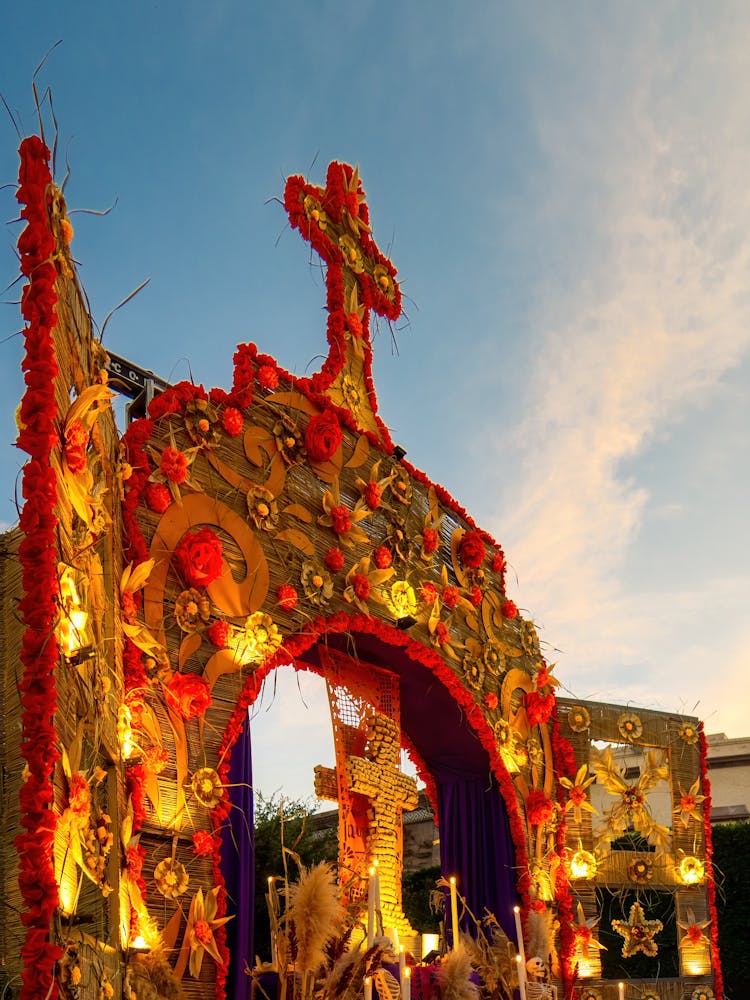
(38, 558)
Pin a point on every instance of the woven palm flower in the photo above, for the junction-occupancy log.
(201, 924)
(259, 639)
(473, 672)
(262, 508)
(201, 422)
(317, 583)
(289, 440)
(629, 726)
(688, 733)
(579, 719)
(529, 639)
(207, 787)
(502, 733)
(192, 610)
(494, 659)
(641, 870)
(352, 394)
(352, 254)
(171, 878)
(687, 808)
(650, 995)
(693, 930)
(691, 870)
(402, 600)
(577, 797)
(702, 993)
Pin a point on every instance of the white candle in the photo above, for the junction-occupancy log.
(521, 977)
(371, 912)
(368, 988)
(454, 911)
(406, 984)
(621, 990)
(519, 935)
(401, 965)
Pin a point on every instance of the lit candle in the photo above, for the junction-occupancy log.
(371, 912)
(621, 990)
(519, 935)
(521, 977)
(401, 965)
(368, 988)
(406, 984)
(454, 911)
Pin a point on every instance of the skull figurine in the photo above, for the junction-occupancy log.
(535, 969)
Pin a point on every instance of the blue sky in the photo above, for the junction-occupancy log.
(563, 189)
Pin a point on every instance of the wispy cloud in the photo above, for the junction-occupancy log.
(622, 356)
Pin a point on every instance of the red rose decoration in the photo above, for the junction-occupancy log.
(231, 421)
(361, 586)
(322, 436)
(198, 558)
(173, 465)
(267, 377)
(342, 519)
(471, 550)
(372, 495)
(509, 609)
(188, 694)
(157, 496)
(538, 707)
(218, 634)
(382, 557)
(287, 597)
(430, 540)
(451, 596)
(539, 809)
(334, 560)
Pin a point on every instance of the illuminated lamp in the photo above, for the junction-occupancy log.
(582, 864)
(691, 870)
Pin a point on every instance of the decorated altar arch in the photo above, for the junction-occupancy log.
(167, 573)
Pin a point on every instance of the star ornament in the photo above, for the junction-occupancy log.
(638, 933)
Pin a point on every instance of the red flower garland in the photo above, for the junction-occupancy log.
(708, 834)
(38, 559)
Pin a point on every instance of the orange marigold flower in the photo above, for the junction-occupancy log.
(342, 519)
(287, 597)
(372, 495)
(361, 586)
(382, 557)
(450, 596)
(173, 465)
(430, 540)
(509, 609)
(231, 421)
(334, 560)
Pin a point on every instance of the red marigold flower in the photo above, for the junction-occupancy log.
(498, 562)
(538, 707)
(188, 694)
(267, 377)
(694, 934)
(361, 586)
(475, 596)
(372, 495)
(198, 558)
(542, 677)
(382, 557)
(490, 700)
(428, 593)
(231, 421)
(430, 540)
(218, 633)
(577, 795)
(354, 325)
(202, 931)
(322, 436)
(450, 596)
(471, 549)
(173, 465)
(129, 606)
(442, 634)
(342, 519)
(334, 560)
(203, 844)
(76, 442)
(687, 803)
(158, 497)
(287, 597)
(539, 809)
(509, 609)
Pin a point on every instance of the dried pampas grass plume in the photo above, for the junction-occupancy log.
(315, 910)
(455, 976)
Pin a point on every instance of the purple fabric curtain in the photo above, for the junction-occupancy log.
(238, 867)
(476, 846)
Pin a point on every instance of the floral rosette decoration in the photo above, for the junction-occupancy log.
(171, 878)
(641, 870)
(579, 719)
(629, 726)
(198, 558)
(188, 694)
(688, 732)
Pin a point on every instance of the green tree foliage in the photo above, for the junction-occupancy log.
(732, 867)
(416, 888)
(280, 821)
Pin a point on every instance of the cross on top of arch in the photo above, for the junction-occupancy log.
(359, 279)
